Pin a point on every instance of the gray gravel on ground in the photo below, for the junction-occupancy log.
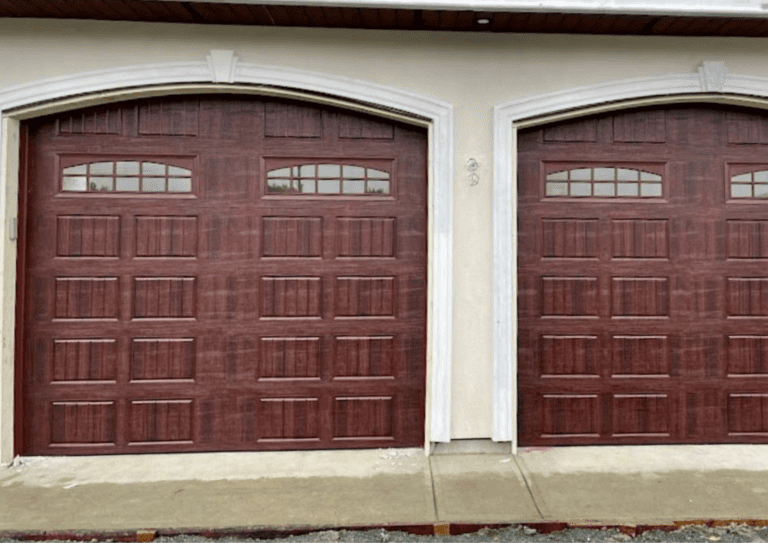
(735, 533)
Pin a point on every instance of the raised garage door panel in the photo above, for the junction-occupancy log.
(643, 292)
(217, 273)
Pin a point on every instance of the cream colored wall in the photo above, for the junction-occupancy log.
(471, 71)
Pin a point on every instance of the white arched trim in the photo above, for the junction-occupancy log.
(712, 84)
(222, 71)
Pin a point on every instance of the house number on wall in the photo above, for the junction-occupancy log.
(472, 167)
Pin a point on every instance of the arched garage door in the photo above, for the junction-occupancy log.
(643, 278)
(222, 273)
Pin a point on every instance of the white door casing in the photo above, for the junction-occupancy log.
(712, 83)
(222, 71)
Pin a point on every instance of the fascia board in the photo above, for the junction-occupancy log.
(679, 8)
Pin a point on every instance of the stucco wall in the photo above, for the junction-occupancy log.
(473, 72)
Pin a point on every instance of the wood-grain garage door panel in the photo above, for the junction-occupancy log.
(642, 287)
(191, 287)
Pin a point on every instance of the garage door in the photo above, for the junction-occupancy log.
(217, 273)
(643, 278)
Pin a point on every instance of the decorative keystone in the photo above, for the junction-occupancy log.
(712, 76)
(223, 65)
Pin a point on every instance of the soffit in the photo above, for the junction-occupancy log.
(502, 16)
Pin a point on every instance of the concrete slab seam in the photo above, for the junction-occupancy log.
(536, 496)
(434, 492)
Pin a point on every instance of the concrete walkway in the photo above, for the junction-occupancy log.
(224, 491)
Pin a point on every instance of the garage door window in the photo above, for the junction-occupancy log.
(749, 184)
(126, 176)
(328, 179)
(603, 181)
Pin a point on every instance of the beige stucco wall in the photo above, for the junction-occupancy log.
(473, 72)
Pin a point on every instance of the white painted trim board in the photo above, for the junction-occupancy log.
(223, 71)
(712, 83)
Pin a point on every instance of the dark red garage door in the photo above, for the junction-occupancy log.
(223, 274)
(643, 278)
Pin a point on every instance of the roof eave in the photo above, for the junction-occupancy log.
(673, 8)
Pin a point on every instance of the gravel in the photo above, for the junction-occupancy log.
(734, 533)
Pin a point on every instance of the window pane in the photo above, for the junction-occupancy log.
(628, 189)
(102, 168)
(128, 184)
(605, 174)
(354, 172)
(100, 183)
(329, 170)
(328, 186)
(605, 189)
(278, 185)
(581, 189)
(74, 184)
(152, 168)
(645, 176)
(308, 187)
(76, 170)
(583, 174)
(761, 190)
(127, 168)
(307, 170)
(743, 178)
(282, 172)
(179, 184)
(152, 184)
(378, 187)
(558, 176)
(557, 189)
(650, 189)
(741, 191)
(179, 172)
(354, 187)
(377, 174)
(623, 174)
